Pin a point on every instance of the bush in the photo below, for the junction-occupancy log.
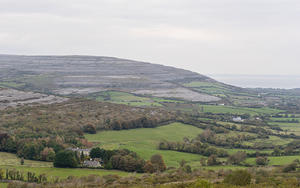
(289, 168)
(158, 163)
(239, 177)
(237, 158)
(262, 161)
(91, 129)
(187, 168)
(212, 160)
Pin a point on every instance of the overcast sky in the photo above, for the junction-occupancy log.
(205, 36)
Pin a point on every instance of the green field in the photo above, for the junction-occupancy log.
(11, 161)
(125, 98)
(272, 140)
(11, 84)
(238, 110)
(3, 185)
(217, 89)
(131, 99)
(144, 141)
(282, 160)
(289, 127)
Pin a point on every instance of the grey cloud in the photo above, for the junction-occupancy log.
(207, 36)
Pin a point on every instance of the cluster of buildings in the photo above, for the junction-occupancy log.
(89, 162)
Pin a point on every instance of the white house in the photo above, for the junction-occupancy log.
(91, 163)
(237, 119)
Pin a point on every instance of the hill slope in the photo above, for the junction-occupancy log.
(89, 74)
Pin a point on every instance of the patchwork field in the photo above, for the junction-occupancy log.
(145, 141)
(237, 110)
(282, 160)
(125, 98)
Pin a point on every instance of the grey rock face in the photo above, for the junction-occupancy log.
(13, 98)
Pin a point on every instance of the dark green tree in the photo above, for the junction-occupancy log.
(66, 159)
(91, 129)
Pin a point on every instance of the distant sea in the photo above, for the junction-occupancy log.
(260, 81)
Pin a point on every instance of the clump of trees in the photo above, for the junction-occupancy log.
(66, 159)
(209, 136)
(262, 161)
(213, 160)
(128, 161)
(237, 158)
(193, 146)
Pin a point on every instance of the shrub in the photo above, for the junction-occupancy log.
(91, 129)
(212, 160)
(187, 169)
(262, 161)
(289, 168)
(237, 158)
(239, 177)
(158, 162)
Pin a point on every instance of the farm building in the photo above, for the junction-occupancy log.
(91, 164)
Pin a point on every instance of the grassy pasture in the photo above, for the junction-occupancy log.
(203, 84)
(281, 160)
(11, 84)
(237, 110)
(3, 185)
(130, 99)
(289, 127)
(272, 140)
(11, 160)
(284, 119)
(144, 141)
(125, 98)
(216, 89)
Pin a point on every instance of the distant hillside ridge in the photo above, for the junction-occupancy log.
(75, 74)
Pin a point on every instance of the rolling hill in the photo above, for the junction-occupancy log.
(66, 75)
(97, 76)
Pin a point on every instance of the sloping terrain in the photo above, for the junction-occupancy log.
(95, 76)
(67, 75)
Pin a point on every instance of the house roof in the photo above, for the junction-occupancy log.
(91, 163)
